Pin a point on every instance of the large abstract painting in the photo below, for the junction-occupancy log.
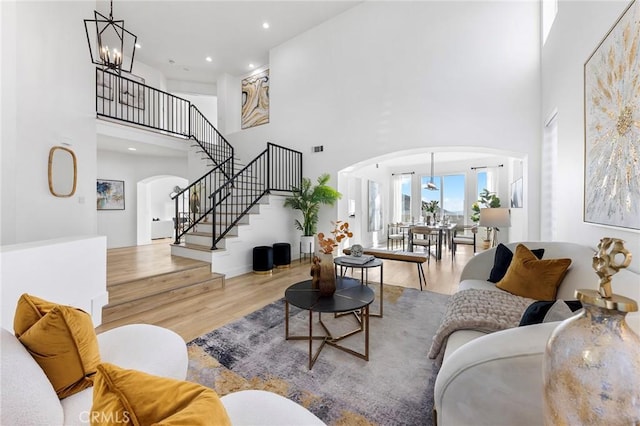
(375, 206)
(255, 100)
(612, 126)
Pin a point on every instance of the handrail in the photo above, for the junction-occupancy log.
(238, 195)
(225, 195)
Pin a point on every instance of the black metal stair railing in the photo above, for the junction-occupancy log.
(220, 196)
(275, 169)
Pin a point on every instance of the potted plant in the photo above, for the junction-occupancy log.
(430, 207)
(487, 200)
(308, 198)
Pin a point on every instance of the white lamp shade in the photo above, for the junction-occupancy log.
(494, 218)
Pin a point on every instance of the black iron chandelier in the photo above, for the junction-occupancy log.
(110, 44)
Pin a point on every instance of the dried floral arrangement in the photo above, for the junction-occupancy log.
(340, 232)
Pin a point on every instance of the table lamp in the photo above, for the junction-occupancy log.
(493, 219)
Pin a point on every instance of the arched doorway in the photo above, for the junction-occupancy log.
(156, 208)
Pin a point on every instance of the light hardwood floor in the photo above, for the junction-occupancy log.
(246, 293)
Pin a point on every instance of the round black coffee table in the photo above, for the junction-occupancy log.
(350, 296)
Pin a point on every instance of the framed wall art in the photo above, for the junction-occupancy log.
(104, 84)
(375, 206)
(110, 194)
(255, 100)
(612, 129)
(132, 91)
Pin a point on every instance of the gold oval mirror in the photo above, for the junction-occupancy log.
(62, 171)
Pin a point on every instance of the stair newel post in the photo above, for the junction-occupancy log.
(214, 220)
(176, 223)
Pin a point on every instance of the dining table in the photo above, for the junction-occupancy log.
(441, 230)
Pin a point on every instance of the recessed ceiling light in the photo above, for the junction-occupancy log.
(252, 66)
(132, 149)
(138, 46)
(208, 59)
(265, 25)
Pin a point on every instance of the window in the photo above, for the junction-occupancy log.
(482, 183)
(401, 198)
(549, 12)
(450, 195)
(406, 198)
(548, 220)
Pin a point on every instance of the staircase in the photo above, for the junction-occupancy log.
(212, 208)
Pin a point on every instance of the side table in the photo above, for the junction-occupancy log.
(343, 262)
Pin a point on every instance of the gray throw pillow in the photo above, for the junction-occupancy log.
(559, 311)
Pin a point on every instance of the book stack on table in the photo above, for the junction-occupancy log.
(360, 260)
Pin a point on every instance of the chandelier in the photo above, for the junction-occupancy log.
(110, 44)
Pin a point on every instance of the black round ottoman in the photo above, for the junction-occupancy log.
(282, 255)
(262, 259)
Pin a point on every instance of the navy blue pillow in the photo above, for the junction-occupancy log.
(536, 311)
(502, 260)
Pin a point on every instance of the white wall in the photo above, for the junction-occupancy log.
(389, 76)
(70, 271)
(578, 29)
(48, 99)
(120, 226)
(208, 105)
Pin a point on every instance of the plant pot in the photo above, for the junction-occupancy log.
(307, 244)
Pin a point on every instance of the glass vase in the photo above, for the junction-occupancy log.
(591, 366)
(592, 370)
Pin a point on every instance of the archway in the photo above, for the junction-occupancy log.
(155, 207)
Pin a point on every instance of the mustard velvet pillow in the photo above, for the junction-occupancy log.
(132, 397)
(531, 277)
(63, 342)
(29, 311)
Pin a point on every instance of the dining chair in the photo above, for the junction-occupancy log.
(463, 238)
(425, 234)
(395, 234)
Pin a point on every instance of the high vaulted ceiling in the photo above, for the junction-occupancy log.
(231, 33)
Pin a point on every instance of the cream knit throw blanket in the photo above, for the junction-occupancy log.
(481, 310)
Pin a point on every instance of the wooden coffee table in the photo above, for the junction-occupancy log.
(350, 296)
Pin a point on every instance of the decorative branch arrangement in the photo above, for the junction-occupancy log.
(340, 232)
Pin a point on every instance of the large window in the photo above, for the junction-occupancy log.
(482, 183)
(450, 194)
(406, 198)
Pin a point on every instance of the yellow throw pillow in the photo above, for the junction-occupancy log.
(29, 311)
(531, 277)
(64, 343)
(132, 397)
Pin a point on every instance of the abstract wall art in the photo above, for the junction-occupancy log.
(255, 100)
(110, 194)
(612, 126)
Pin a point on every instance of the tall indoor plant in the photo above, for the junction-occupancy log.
(487, 200)
(308, 198)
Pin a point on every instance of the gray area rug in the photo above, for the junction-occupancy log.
(395, 387)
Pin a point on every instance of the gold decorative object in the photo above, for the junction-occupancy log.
(591, 367)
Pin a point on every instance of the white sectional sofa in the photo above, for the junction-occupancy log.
(29, 399)
(496, 379)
